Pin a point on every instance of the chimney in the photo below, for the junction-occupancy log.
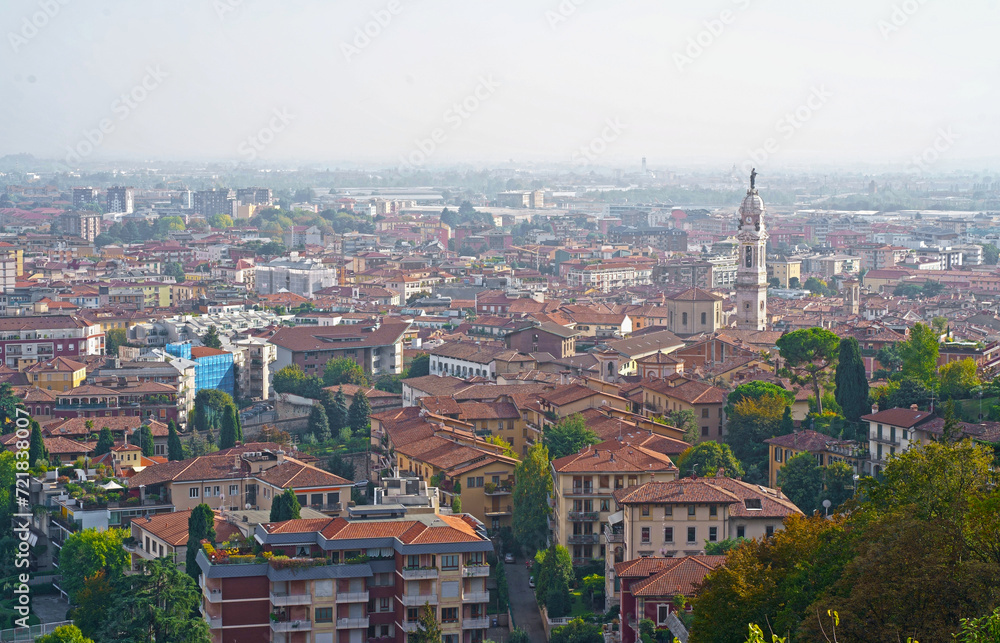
(913, 407)
(875, 408)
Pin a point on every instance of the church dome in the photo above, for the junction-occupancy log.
(752, 204)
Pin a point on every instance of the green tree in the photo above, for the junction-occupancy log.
(36, 447)
(343, 370)
(64, 634)
(707, 458)
(749, 422)
(809, 352)
(838, 484)
(577, 631)
(90, 551)
(958, 378)
(851, 381)
(231, 432)
(990, 254)
(210, 407)
(201, 526)
(91, 606)
(722, 547)
(907, 392)
(754, 390)
(532, 486)
(508, 450)
(105, 440)
(290, 379)
(175, 450)
(146, 440)
(175, 270)
(285, 507)
(428, 629)
(337, 413)
(420, 366)
(920, 354)
(156, 604)
(553, 571)
(517, 635)
(359, 413)
(211, 338)
(686, 421)
(113, 338)
(568, 436)
(340, 467)
(787, 423)
(318, 424)
(221, 221)
(890, 359)
(801, 479)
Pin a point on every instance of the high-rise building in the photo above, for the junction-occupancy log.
(84, 224)
(84, 196)
(211, 202)
(254, 196)
(121, 199)
(751, 271)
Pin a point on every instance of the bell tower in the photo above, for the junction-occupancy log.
(751, 272)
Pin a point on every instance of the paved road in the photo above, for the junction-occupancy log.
(522, 602)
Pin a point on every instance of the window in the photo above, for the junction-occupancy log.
(704, 413)
(777, 455)
(316, 499)
(692, 534)
(605, 505)
(234, 490)
(668, 511)
(208, 492)
(645, 510)
(704, 431)
(741, 531)
(449, 562)
(413, 613)
(662, 611)
(769, 530)
(217, 491)
(193, 492)
(684, 319)
(713, 510)
(668, 534)
(713, 534)
(752, 503)
(645, 534)
(691, 509)
(473, 482)
(449, 614)
(704, 318)
(383, 604)
(324, 615)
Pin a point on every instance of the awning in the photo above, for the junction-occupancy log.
(616, 517)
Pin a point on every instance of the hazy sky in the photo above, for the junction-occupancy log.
(576, 82)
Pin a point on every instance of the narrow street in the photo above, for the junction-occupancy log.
(522, 602)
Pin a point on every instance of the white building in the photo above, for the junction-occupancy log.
(751, 273)
(299, 275)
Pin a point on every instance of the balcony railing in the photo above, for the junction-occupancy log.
(420, 573)
(499, 491)
(213, 595)
(479, 623)
(501, 510)
(476, 571)
(416, 600)
(352, 597)
(885, 440)
(613, 537)
(281, 600)
(586, 516)
(410, 626)
(476, 597)
(580, 491)
(292, 626)
(214, 622)
(582, 539)
(352, 623)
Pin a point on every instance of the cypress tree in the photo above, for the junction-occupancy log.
(36, 449)
(359, 413)
(175, 450)
(105, 440)
(201, 525)
(337, 414)
(851, 381)
(787, 425)
(318, 424)
(229, 433)
(146, 441)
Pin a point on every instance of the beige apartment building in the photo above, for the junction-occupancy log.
(678, 517)
(583, 485)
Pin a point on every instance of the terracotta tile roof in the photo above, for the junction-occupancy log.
(428, 529)
(172, 528)
(59, 364)
(435, 384)
(614, 456)
(567, 394)
(805, 440)
(205, 351)
(688, 391)
(306, 338)
(682, 491)
(695, 294)
(293, 474)
(681, 577)
(903, 418)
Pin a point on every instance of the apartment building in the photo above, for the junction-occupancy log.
(825, 449)
(679, 393)
(211, 202)
(165, 535)
(84, 224)
(84, 196)
(120, 199)
(256, 374)
(607, 277)
(677, 517)
(377, 349)
(474, 359)
(255, 196)
(294, 274)
(25, 340)
(58, 374)
(352, 580)
(583, 485)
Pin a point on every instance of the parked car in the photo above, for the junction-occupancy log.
(531, 582)
(508, 557)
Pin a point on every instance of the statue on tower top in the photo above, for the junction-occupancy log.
(753, 177)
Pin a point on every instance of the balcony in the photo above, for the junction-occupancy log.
(612, 537)
(477, 623)
(582, 539)
(476, 597)
(585, 516)
(502, 510)
(580, 491)
(417, 600)
(410, 626)
(885, 440)
(474, 571)
(352, 623)
(282, 600)
(352, 597)
(418, 573)
(214, 622)
(498, 491)
(213, 595)
(294, 626)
